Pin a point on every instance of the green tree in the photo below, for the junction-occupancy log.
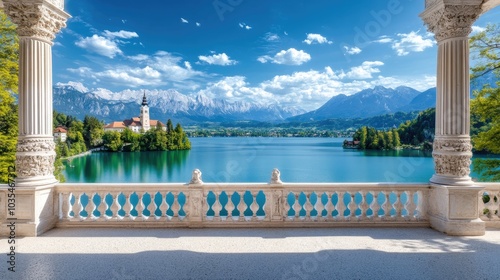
(112, 141)
(9, 68)
(93, 129)
(485, 50)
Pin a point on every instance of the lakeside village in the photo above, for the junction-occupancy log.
(74, 137)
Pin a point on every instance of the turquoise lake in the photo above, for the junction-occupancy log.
(252, 160)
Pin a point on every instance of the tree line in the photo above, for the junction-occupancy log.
(90, 134)
(370, 138)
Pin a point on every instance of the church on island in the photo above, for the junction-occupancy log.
(136, 124)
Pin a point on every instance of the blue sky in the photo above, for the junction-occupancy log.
(294, 52)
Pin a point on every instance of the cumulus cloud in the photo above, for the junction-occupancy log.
(245, 26)
(217, 59)
(412, 42)
(99, 45)
(156, 70)
(184, 20)
(352, 50)
(198, 24)
(364, 71)
(313, 38)
(288, 57)
(477, 29)
(120, 34)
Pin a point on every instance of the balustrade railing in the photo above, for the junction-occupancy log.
(219, 205)
(489, 204)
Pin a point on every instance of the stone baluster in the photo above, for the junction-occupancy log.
(398, 206)
(410, 205)
(151, 207)
(340, 207)
(127, 207)
(230, 205)
(242, 206)
(175, 206)
(363, 205)
(115, 206)
(65, 206)
(92, 207)
(77, 207)
(453, 198)
(352, 206)
(387, 206)
(375, 206)
(140, 206)
(103, 206)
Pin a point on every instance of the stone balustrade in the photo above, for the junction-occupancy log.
(240, 205)
(274, 204)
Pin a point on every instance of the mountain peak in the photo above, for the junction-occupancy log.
(73, 85)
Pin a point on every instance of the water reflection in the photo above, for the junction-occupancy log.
(126, 167)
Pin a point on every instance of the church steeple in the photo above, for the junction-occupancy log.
(145, 113)
(144, 100)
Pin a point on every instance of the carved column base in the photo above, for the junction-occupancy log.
(35, 158)
(35, 212)
(452, 159)
(454, 210)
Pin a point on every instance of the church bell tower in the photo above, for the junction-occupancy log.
(145, 113)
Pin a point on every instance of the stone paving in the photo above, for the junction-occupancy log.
(312, 253)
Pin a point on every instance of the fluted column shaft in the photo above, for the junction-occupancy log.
(451, 22)
(37, 23)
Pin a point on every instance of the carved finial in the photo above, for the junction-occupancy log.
(196, 178)
(275, 177)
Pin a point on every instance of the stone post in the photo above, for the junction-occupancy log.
(37, 23)
(453, 196)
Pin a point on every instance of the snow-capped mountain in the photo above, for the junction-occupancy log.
(76, 100)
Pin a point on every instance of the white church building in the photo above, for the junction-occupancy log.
(136, 124)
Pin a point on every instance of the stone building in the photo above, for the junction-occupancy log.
(136, 124)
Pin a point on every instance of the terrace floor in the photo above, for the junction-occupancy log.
(312, 253)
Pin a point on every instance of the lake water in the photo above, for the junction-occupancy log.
(252, 160)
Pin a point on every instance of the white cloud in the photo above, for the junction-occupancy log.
(156, 70)
(271, 37)
(99, 45)
(245, 26)
(217, 59)
(198, 24)
(477, 29)
(288, 57)
(316, 38)
(120, 34)
(384, 39)
(364, 71)
(352, 50)
(412, 42)
(139, 57)
(184, 20)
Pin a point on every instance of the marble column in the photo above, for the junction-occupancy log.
(37, 23)
(453, 196)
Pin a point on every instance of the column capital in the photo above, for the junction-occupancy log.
(451, 18)
(41, 19)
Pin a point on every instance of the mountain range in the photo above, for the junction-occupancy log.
(371, 102)
(76, 100)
